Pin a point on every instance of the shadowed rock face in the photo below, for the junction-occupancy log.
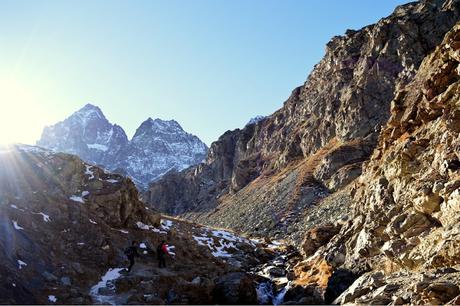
(342, 107)
(59, 217)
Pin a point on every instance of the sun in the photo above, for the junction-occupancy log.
(18, 112)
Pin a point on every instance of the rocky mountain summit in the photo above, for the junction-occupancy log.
(157, 147)
(264, 178)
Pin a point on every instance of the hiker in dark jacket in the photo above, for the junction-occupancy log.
(131, 252)
(162, 251)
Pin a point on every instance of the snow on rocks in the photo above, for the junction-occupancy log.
(142, 245)
(21, 264)
(52, 298)
(143, 226)
(221, 243)
(149, 227)
(105, 282)
(112, 181)
(46, 218)
(92, 222)
(166, 224)
(15, 207)
(89, 172)
(77, 198)
(16, 225)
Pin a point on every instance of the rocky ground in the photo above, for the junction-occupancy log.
(64, 225)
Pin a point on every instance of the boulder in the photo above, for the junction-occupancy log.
(235, 288)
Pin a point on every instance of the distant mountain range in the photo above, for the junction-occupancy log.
(157, 147)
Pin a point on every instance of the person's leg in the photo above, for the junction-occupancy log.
(131, 263)
(163, 261)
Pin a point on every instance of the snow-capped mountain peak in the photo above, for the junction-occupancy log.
(157, 147)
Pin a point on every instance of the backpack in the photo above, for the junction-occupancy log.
(129, 252)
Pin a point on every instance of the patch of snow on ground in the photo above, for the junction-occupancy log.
(16, 225)
(112, 181)
(142, 225)
(124, 231)
(91, 221)
(15, 207)
(89, 172)
(220, 242)
(46, 218)
(21, 264)
(166, 224)
(142, 246)
(155, 230)
(84, 193)
(52, 298)
(109, 276)
(76, 198)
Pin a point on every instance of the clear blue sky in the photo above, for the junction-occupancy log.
(211, 65)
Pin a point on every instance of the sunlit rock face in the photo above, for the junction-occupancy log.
(402, 238)
(157, 147)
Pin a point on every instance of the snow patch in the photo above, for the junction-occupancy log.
(166, 224)
(107, 278)
(112, 181)
(91, 221)
(142, 246)
(52, 298)
(98, 146)
(46, 218)
(21, 264)
(76, 198)
(89, 172)
(220, 242)
(16, 225)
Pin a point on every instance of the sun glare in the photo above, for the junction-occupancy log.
(18, 113)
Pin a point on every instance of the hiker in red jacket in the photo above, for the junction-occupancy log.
(162, 251)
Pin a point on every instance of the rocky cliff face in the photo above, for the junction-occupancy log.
(262, 177)
(157, 147)
(403, 238)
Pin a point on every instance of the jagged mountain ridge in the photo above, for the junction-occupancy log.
(157, 147)
(265, 177)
